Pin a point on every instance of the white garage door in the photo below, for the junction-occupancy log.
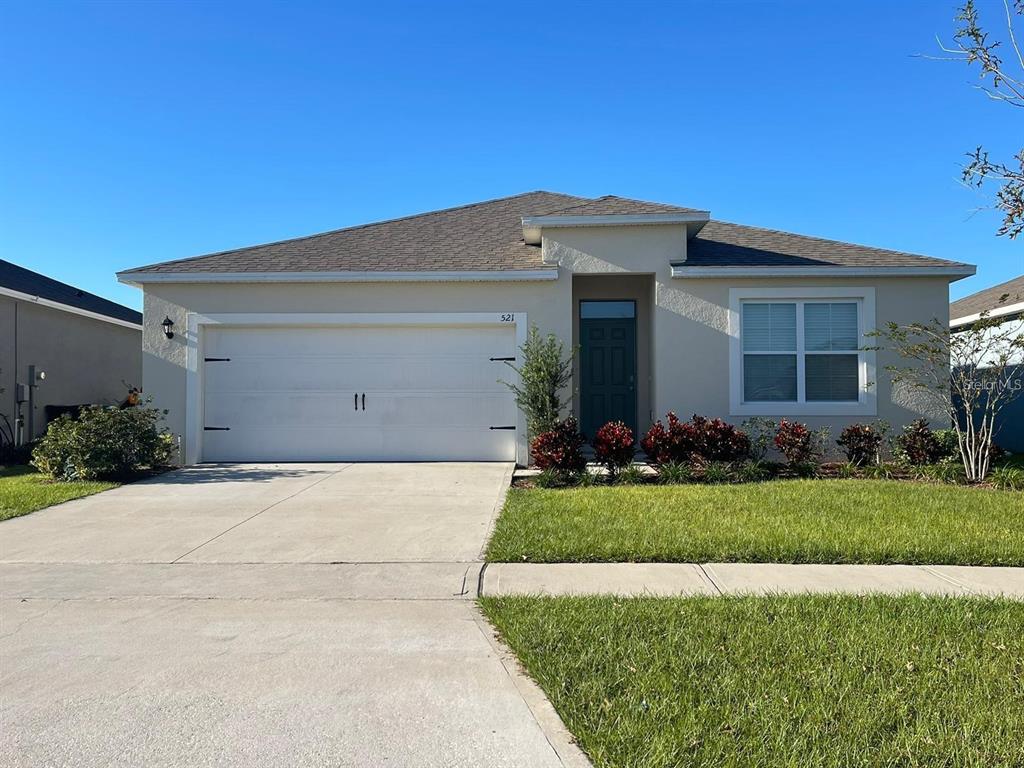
(373, 393)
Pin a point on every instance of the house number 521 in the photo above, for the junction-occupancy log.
(508, 317)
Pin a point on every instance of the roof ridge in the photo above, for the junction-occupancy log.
(351, 228)
(625, 199)
(586, 201)
(830, 240)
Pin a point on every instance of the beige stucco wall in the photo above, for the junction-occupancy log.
(688, 332)
(682, 327)
(85, 360)
(692, 358)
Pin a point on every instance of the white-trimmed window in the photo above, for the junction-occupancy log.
(801, 352)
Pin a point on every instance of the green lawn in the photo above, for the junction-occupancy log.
(23, 490)
(785, 681)
(788, 521)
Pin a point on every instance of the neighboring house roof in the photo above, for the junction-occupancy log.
(27, 285)
(488, 237)
(988, 300)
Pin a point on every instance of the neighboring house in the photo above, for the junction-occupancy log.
(89, 348)
(388, 340)
(1005, 303)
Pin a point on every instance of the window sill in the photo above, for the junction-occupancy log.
(805, 409)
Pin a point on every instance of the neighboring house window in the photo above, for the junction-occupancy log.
(800, 355)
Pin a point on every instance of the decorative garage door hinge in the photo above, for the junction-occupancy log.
(503, 359)
(216, 429)
(216, 359)
(512, 427)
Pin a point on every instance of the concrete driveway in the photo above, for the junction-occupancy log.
(283, 513)
(288, 615)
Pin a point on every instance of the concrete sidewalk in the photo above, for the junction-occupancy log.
(663, 579)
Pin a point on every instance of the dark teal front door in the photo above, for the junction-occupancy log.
(607, 364)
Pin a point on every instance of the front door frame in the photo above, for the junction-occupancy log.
(580, 320)
(196, 323)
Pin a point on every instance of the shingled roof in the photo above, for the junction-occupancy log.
(488, 236)
(722, 244)
(989, 299)
(34, 284)
(482, 236)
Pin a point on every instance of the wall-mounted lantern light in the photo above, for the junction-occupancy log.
(167, 323)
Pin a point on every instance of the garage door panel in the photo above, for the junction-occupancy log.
(279, 409)
(351, 375)
(263, 444)
(312, 341)
(286, 393)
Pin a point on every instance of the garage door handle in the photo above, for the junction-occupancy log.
(355, 401)
(364, 401)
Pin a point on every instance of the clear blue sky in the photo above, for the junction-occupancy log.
(139, 132)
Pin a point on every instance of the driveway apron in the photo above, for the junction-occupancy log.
(257, 615)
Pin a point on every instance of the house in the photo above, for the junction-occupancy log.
(1003, 303)
(63, 346)
(387, 341)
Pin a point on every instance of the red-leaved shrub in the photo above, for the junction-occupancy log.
(860, 442)
(559, 448)
(701, 439)
(918, 444)
(794, 441)
(666, 445)
(614, 446)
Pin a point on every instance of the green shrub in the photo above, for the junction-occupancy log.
(104, 443)
(753, 472)
(1007, 478)
(551, 478)
(879, 471)
(674, 472)
(543, 377)
(806, 468)
(847, 470)
(585, 479)
(631, 475)
(948, 471)
(949, 446)
(717, 472)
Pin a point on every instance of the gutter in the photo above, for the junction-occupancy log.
(49, 303)
(476, 276)
(1009, 309)
(956, 272)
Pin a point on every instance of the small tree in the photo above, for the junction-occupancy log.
(543, 378)
(1002, 79)
(964, 374)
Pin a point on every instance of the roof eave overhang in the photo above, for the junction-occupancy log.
(533, 225)
(50, 304)
(1008, 311)
(469, 276)
(953, 271)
